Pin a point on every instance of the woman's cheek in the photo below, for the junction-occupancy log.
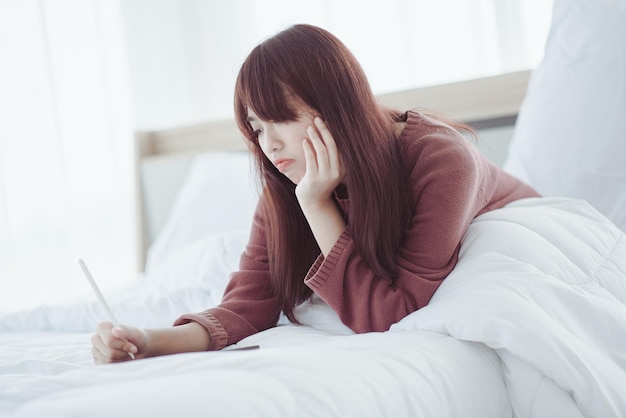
(296, 177)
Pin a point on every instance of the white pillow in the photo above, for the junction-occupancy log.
(204, 264)
(218, 195)
(570, 136)
(191, 279)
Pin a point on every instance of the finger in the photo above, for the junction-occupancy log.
(125, 335)
(103, 333)
(129, 335)
(104, 327)
(321, 153)
(326, 136)
(106, 347)
(309, 158)
(102, 353)
(97, 356)
(331, 145)
(102, 357)
(102, 346)
(110, 338)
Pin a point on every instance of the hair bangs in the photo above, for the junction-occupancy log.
(258, 88)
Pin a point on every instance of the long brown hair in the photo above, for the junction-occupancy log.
(310, 64)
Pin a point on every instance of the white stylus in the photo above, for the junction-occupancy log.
(103, 301)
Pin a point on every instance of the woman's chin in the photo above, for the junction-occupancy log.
(293, 178)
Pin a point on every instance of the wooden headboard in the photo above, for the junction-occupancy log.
(484, 103)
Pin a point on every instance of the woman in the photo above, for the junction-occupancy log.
(362, 205)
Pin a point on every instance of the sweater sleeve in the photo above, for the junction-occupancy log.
(249, 304)
(448, 178)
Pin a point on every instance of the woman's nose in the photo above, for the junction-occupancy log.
(270, 142)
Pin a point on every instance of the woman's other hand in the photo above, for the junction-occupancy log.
(115, 344)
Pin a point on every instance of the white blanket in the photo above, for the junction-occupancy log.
(542, 282)
(534, 313)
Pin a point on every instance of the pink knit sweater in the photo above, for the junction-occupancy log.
(452, 183)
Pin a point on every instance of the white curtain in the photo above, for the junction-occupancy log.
(66, 172)
(185, 55)
(71, 71)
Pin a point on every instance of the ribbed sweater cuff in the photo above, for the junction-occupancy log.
(218, 334)
(323, 267)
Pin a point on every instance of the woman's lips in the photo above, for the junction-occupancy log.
(282, 165)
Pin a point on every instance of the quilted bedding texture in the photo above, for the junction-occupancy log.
(531, 323)
(543, 283)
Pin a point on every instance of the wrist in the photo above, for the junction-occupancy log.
(178, 339)
(148, 348)
(317, 205)
(326, 222)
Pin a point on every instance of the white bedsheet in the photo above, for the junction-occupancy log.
(297, 372)
(531, 323)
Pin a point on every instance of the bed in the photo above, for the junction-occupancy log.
(533, 325)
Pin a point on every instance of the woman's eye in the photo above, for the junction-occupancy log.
(256, 133)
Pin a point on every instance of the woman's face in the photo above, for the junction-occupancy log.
(281, 142)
